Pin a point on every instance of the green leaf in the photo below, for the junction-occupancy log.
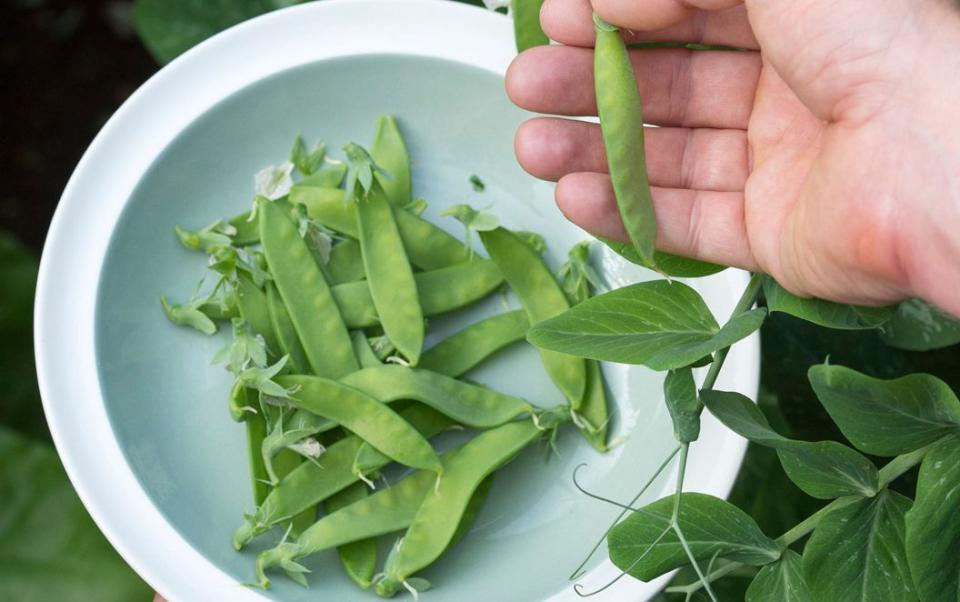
(477, 183)
(666, 264)
(660, 324)
(933, 525)
(680, 394)
(857, 552)
(712, 527)
(171, 27)
(20, 403)
(51, 550)
(919, 326)
(886, 417)
(823, 469)
(781, 581)
(824, 313)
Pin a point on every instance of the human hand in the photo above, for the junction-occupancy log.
(827, 155)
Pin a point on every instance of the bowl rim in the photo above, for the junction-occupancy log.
(98, 190)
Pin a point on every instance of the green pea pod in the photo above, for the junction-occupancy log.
(470, 405)
(542, 298)
(256, 431)
(313, 482)
(621, 122)
(286, 334)
(388, 510)
(442, 510)
(330, 176)
(365, 353)
(305, 294)
(594, 413)
(440, 291)
(247, 230)
(463, 351)
(364, 416)
(346, 262)
(252, 305)
(389, 275)
(390, 153)
(428, 246)
(527, 32)
(683, 403)
(470, 514)
(358, 558)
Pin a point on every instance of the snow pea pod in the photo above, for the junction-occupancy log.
(470, 405)
(387, 510)
(461, 352)
(252, 305)
(256, 431)
(358, 558)
(621, 122)
(390, 153)
(305, 294)
(313, 482)
(346, 263)
(527, 32)
(443, 508)
(364, 416)
(286, 334)
(428, 246)
(542, 298)
(389, 275)
(440, 291)
(365, 353)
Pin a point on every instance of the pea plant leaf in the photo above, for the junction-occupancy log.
(171, 27)
(782, 581)
(886, 417)
(660, 324)
(667, 264)
(857, 552)
(824, 313)
(361, 171)
(919, 326)
(933, 525)
(680, 394)
(713, 528)
(51, 549)
(823, 469)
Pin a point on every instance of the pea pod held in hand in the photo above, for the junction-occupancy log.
(543, 299)
(305, 294)
(440, 514)
(621, 122)
(363, 415)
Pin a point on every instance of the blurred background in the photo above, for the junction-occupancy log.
(66, 65)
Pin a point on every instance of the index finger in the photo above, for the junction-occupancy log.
(569, 22)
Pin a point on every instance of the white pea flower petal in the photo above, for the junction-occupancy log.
(275, 181)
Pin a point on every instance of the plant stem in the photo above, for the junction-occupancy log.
(747, 299)
(889, 473)
(675, 522)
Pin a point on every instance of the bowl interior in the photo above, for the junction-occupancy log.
(167, 404)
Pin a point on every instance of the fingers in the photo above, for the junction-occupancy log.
(703, 159)
(569, 22)
(679, 87)
(655, 14)
(703, 225)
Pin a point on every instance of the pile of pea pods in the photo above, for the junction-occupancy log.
(327, 283)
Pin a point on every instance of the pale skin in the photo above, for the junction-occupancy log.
(827, 154)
